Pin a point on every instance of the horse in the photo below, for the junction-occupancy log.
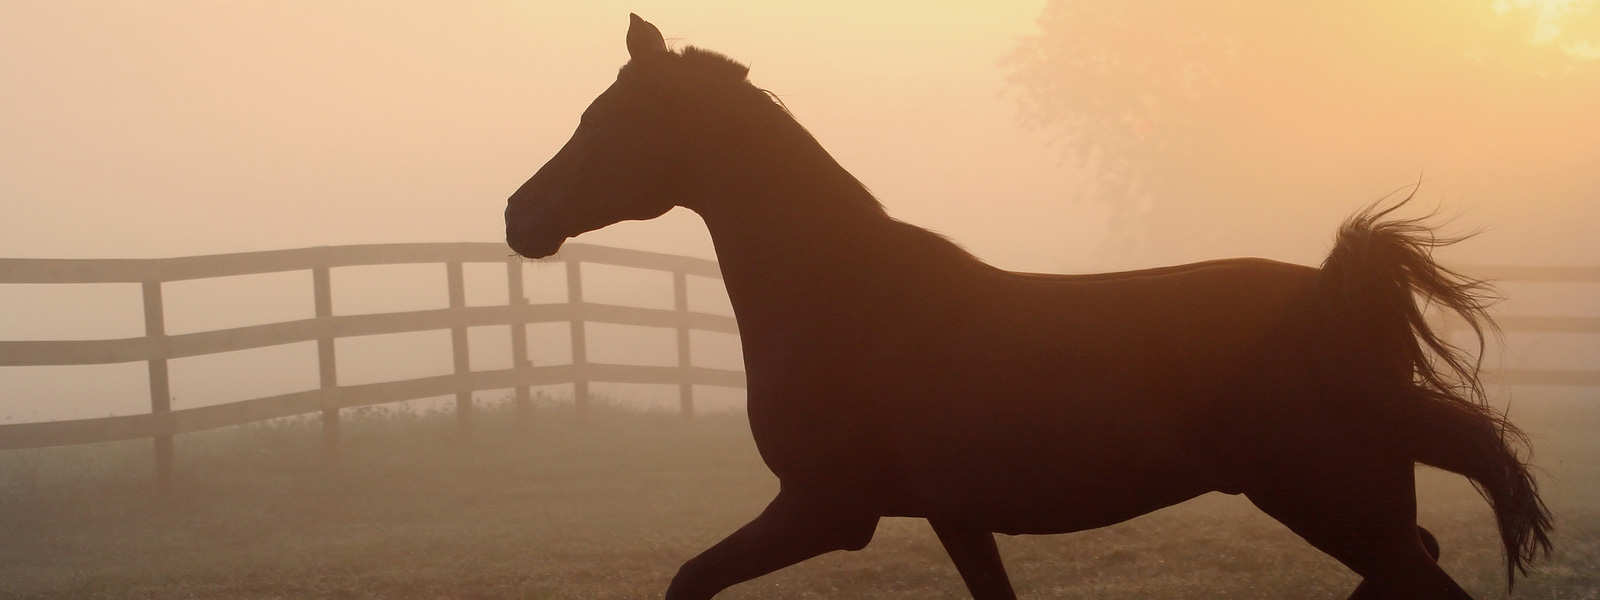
(892, 374)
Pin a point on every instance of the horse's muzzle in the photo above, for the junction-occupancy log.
(535, 247)
(530, 233)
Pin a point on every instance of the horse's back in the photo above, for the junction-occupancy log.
(1093, 393)
(1149, 333)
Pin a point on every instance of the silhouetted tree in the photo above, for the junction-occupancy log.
(1190, 112)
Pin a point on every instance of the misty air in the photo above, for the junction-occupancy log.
(1044, 299)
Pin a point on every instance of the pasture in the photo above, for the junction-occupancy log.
(609, 507)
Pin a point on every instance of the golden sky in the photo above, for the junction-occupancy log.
(188, 127)
(146, 129)
(162, 128)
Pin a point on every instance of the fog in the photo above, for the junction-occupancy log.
(1059, 137)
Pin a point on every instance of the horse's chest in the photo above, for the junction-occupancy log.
(811, 414)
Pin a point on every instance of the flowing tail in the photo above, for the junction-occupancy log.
(1373, 277)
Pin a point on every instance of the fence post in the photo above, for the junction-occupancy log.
(680, 303)
(458, 344)
(519, 335)
(155, 330)
(580, 342)
(322, 294)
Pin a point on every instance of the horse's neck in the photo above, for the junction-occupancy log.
(798, 237)
(787, 246)
(800, 248)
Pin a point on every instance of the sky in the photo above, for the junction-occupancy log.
(169, 128)
(152, 129)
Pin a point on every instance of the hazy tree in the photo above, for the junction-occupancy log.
(1193, 112)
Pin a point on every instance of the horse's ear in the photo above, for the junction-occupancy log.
(643, 38)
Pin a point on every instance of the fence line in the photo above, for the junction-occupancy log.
(157, 347)
(1497, 274)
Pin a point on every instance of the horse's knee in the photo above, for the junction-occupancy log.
(855, 536)
(837, 532)
(823, 526)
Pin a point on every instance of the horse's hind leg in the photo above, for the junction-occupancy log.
(976, 558)
(1430, 543)
(1361, 511)
(1368, 590)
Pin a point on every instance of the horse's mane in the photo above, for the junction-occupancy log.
(695, 61)
(715, 63)
(716, 69)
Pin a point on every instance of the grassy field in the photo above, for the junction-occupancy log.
(611, 508)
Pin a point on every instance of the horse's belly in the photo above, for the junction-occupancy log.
(1065, 511)
(1053, 494)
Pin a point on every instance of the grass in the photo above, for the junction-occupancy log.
(610, 508)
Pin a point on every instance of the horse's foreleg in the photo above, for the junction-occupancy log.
(790, 530)
(976, 558)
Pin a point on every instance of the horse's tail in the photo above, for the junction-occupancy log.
(1370, 282)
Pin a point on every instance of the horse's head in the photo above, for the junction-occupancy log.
(626, 159)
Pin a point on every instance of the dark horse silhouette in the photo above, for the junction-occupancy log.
(893, 374)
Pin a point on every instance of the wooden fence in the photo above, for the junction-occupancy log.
(156, 347)
(1513, 324)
